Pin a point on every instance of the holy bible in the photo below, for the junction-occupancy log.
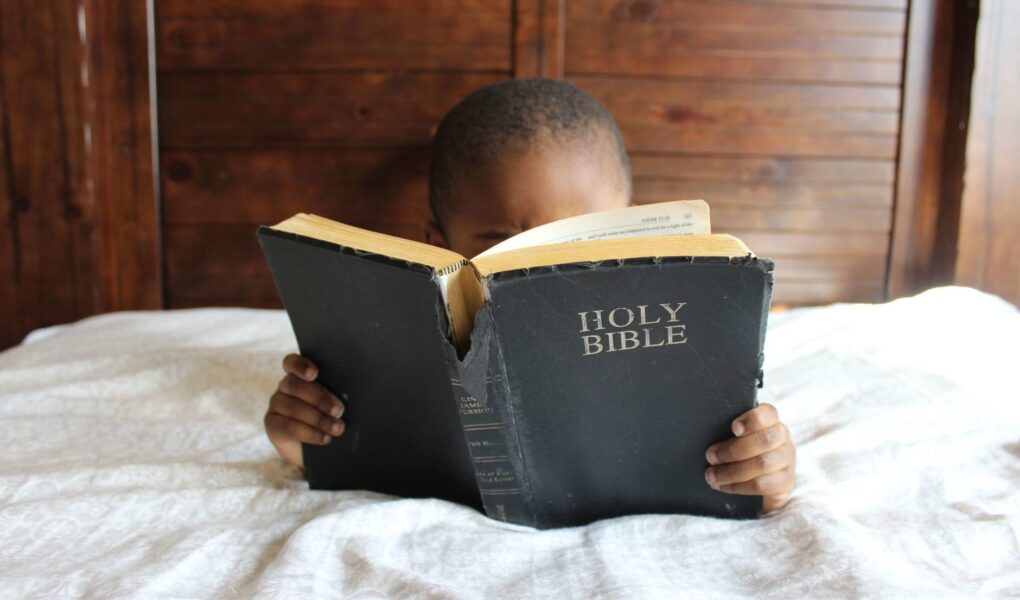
(575, 372)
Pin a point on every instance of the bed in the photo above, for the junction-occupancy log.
(134, 464)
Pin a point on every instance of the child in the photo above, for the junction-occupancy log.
(509, 157)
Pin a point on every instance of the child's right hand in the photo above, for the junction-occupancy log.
(301, 410)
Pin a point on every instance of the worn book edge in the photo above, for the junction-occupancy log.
(484, 378)
(467, 283)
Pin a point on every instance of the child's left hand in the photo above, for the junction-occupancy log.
(759, 461)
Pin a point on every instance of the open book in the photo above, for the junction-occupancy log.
(574, 372)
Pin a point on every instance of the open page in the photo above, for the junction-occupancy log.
(664, 218)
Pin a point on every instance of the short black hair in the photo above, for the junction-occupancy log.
(505, 117)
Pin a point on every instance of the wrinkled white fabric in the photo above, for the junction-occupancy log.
(134, 464)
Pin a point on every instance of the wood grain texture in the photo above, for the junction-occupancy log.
(78, 227)
(750, 118)
(833, 197)
(216, 266)
(47, 260)
(745, 40)
(539, 38)
(122, 153)
(989, 240)
(371, 188)
(842, 18)
(11, 328)
(223, 265)
(779, 170)
(326, 34)
(888, 5)
(783, 114)
(293, 110)
(928, 160)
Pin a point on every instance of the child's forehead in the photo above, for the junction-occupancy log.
(541, 182)
(548, 154)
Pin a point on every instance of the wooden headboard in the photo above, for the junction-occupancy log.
(784, 116)
(814, 128)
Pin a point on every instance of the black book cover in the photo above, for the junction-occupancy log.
(612, 379)
(376, 329)
(591, 390)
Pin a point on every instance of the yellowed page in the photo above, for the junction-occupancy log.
(715, 244)
(663, 218)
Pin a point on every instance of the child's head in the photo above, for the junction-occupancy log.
(520, 153)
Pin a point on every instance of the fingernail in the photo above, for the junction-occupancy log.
(310, 373)
(738, 428)
(335, 411)
(711, 456)
(326, 438)
(710, 477)
(335, 428)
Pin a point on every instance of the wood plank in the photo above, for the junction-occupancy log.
(820, 196)
(373, 109)
(755, 118)
(890, 5)
(367, 188)
(930, 125)
(989, 229)
(585, 60)
(619, 92)
(11, 331)
(199, 259)
(36, 48)
(80, 203)
(321, 34)
(734, 41)
(347, 109)
(676, 39)
(763, 169)
(122, 168)
(654, 112)
(272, 9)
(710, 140)
(79, 236)
(747, 15)
(538, 32)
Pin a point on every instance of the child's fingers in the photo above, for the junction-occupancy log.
(295, 364)
(752, 444)
(756, 466)
(755, 419)
(281, 426)
(299, 410)
(774, 501)
(313, 394)
(776, 483)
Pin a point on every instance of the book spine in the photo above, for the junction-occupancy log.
(479, 386)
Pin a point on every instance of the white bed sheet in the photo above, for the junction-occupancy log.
(134, 464)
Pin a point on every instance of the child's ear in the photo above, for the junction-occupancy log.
(434, 235)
